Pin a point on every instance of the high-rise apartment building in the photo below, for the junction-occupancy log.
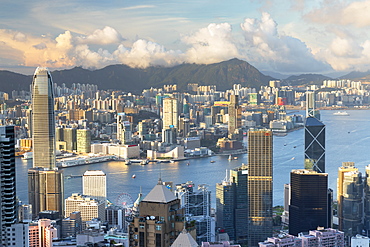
(308, 207)
(45, 190)
(314, 142)
(43, 119)
(124, 128)
(170, 113)
(260, 160)
(94, 184)
(83, 141)
(235, 114)
(8, 203)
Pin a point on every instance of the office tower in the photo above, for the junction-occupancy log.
(115, 216)
(169, 136)
(285, 216)
(235, 114)
(367, 199)
(239, 176)
(83, 141)
(94, 183)
(124, 129)
(72, 225)
(43, 120)
(170, 113)
(311, 105)
(197, 205)
(45, 190)
(314, 142)
(225, 205)
(352, 204)
(90, 208)
(346, 167)
(309, 201)
(260, 160)
(160, 220)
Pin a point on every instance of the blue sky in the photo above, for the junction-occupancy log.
(289, 37)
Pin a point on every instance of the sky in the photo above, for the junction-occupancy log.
(284, 36)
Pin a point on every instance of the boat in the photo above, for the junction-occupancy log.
(230, 157)
(187, 163)
(127, 162)
(235, 158)
(144, 162)
(133, 176)
(212, 161)
(172, 161)
(27, 156)
(293, 158)
(341, 113)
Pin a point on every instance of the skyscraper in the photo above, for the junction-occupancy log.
(225, 205)
(45, 190)
(8, 203)
(43, 120)
(235, 114)
(260, 159)
(94, 184)
(341, 189)
(45, 182)
(314, 142)
(308, 207)
(170, 113)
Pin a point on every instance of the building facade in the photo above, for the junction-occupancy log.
(43, 119)
(260, 161)
(314, 142)
(160, 219)
(94, 184)
(170, 113)
(308, 207)
(45, 190)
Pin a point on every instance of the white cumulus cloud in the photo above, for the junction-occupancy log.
(105, 36)
(211, 44)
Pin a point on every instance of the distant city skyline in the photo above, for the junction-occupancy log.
(288, 37)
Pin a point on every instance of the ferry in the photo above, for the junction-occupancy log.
(134, 176)
(27, 156)
(84, 160)
(341, 113)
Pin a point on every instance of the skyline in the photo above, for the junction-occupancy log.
(297, 37)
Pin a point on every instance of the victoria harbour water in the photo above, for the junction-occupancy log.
(347, 139)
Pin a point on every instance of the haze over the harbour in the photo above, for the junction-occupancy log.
(288, 37)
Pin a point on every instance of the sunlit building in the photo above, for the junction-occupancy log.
(260, 161)
(43, 120)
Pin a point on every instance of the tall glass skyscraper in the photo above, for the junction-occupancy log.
(314, 142)
(43, 120)
(260, 159)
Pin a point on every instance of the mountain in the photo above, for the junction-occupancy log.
(10, 81)
(276, 75)
(356, 75)
(306, 79)
(122, 77)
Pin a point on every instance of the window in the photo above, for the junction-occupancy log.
(158, 227)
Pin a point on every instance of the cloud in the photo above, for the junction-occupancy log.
(277, 51)
(138, 7)
(40, 46)
(146, 53)
(105, 36)
(336, 12)
(211, 44)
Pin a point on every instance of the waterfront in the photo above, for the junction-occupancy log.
(347, 139)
